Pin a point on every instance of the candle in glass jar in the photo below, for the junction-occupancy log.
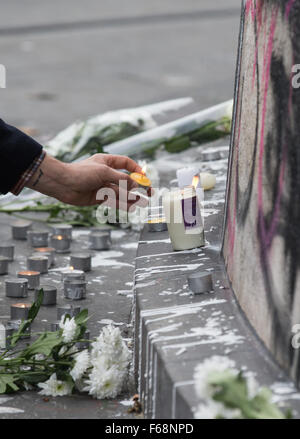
(185, 225)
(61, 243)
(7, 250)
(19, 311)
(20, 228)
(33, 278)
(16, 287)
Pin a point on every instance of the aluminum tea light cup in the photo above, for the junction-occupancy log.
(75, 289)
(50, 294)
(37, 238)
(84, 344)
(7, 250)
(100, 240)
(20, 228)
(54, 326)
(81, 261)
(71, 274)
(71, 310)
(157, 225)
(200, 282)
(46, 251)
(19, 311)
(45, 255)
(14, 326)
(6, 332)
(38, 263)
(61, 243)
(16, 287)
(33, 278)
(4, 261)
(63, 229)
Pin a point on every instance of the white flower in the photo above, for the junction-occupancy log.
(111, 348)
(82, 362)
(69, 328)
(206, 369)
(213, 410)
(104, 383)
(55, 387)
(109, 359)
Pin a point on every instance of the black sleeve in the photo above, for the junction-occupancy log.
(17, 152)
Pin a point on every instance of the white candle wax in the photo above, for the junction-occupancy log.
(2, 336)
(183, 216)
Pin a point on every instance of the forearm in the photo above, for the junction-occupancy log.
(51, 178)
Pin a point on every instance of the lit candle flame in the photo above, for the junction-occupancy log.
(144, 169)
(71, 268)
(195, 181)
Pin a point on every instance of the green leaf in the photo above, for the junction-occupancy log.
(33, 311)
(43, 345)
(82, 317)
(7, 383)
(232, 391)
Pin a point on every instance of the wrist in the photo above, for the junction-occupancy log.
(51, 178)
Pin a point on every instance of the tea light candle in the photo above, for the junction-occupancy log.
(61, 243)
(47, 251)
(100, 241)
(4, 264)
(200, 282)
(54, 326)
(6, 331)
(33, 278)
(157, 225)
(14, 325)
(184, 220)
(50, 294)
(141, 179)
(71, 310)
(63, 229)
(16, 287)
(37, 239)
(45, 255)
(20, 228)
(81, 261)
(7, 250)
(38, 263)
(71, 274)
(75, 289)
(20, 311)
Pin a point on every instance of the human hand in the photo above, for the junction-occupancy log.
(79, 183)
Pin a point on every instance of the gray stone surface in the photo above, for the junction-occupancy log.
(176, 330)
(109, 299)
(58, 77)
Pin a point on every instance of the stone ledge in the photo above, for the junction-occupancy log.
(174, 330)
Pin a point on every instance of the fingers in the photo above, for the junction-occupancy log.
(122, 162)
(116, 177)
